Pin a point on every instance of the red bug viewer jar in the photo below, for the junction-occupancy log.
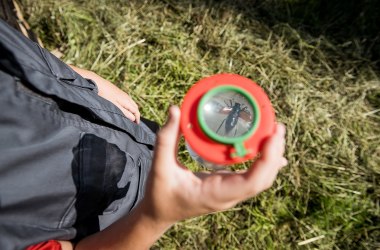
(225, 119)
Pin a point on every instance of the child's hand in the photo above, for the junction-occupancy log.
(122, 100)
(175, 193)
(112, 93)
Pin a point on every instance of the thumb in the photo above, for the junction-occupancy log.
(167, 139)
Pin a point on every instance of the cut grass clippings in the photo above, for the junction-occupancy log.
(328, 197)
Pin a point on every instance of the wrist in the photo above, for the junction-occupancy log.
(141, 225)
(137, 231)
(150, 217)
(86, 73)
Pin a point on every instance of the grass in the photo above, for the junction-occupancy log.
(325, 91)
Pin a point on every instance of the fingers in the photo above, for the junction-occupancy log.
(133, 115)
(113, 94)
(167, 139)
(134, 109)
(263, 173)
(168, 134)
(223, 190)
(275, 146)
(284, 162)
(130, 109)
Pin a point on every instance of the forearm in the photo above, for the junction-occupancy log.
(112, 93)
(136, 231)
(83, 72)
(92, 76)
(102, 84)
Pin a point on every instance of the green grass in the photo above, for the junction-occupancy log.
(327, 95)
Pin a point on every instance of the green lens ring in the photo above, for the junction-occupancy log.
(228, 140)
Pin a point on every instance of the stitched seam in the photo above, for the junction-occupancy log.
(47, 61)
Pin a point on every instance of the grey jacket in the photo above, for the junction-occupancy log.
(70, 162)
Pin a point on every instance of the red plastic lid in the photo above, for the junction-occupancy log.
(209, 149)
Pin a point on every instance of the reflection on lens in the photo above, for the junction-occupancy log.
(228, 114)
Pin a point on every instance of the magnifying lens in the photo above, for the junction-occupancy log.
(225, 119)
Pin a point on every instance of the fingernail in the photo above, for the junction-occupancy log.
(173, 111)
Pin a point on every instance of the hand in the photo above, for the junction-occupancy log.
(174, 193)
(112, 93)
(122, 100)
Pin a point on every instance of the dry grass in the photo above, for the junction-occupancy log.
(329, 196)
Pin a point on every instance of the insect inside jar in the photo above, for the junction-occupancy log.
(230, 109)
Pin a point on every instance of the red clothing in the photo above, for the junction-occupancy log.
(47, 245)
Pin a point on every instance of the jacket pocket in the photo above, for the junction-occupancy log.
(97, 169)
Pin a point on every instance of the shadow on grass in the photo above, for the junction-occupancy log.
(351, 24)
(351, 27)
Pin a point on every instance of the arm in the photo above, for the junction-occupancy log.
(112, 93)
(174, 193)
